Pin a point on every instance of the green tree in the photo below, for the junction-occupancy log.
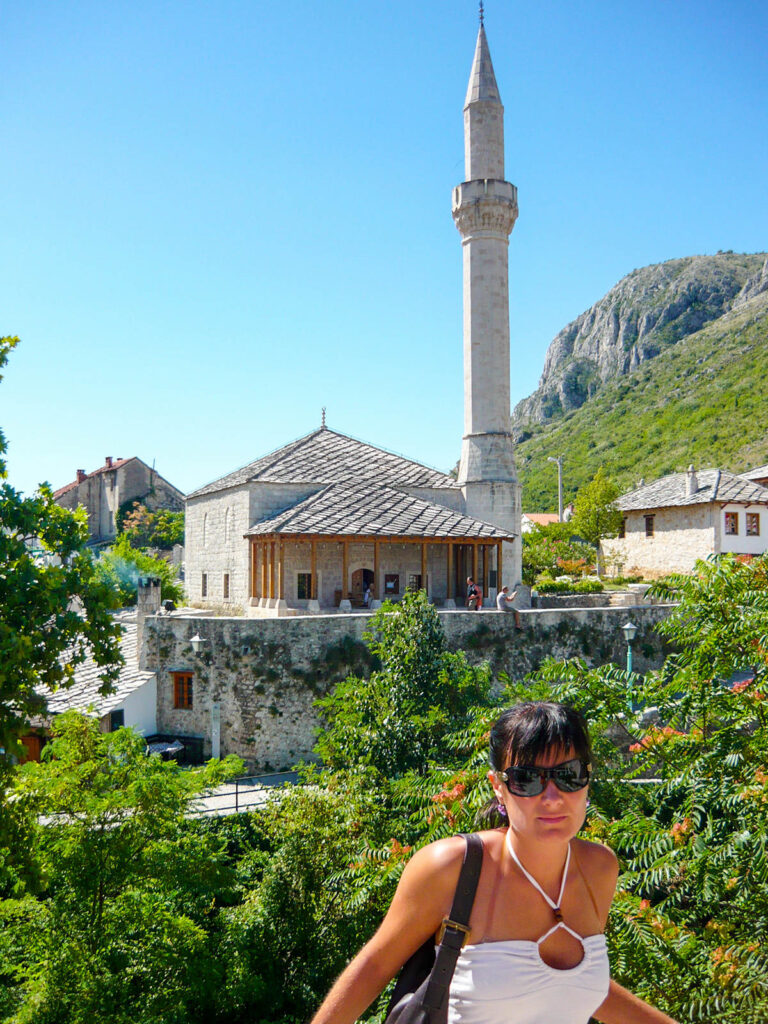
(119, 567)
(395, 719)
(545, 547)
(53, 609)
(159, 529)
(595, 514)
(118, 932)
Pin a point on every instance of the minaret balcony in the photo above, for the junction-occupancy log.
(485, 205)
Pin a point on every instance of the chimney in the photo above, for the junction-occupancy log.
(108, 462)
(691, 481)
(147, 603)
(81, 475)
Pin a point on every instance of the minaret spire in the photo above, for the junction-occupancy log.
(485, 211)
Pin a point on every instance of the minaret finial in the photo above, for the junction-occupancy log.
(322, 424)
(482, 14)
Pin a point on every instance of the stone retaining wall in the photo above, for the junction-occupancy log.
(258, 678)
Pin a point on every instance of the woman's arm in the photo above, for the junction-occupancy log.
(621, 1007)
(422, 900)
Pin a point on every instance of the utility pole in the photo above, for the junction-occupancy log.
(559, 462)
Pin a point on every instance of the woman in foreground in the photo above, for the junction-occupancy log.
(536, 952)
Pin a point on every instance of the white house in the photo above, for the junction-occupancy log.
(671, 523)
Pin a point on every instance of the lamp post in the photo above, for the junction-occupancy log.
(198, 645)
(559, 463)
(629, 629)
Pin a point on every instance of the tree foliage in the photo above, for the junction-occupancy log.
(118, 927)
(395, 719)
(546, 547)
(53, 608)
(118, 570)
(161, 528)
(595, 514)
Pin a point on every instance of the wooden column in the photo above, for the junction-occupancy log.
(376, 570)
(499, 581)
(254, 569)
(281, 570)
(485, 570)
(313, 569)
(271, 569)
(264, 560)
(449, 547)
(424, 566)
(474, 562)
(344, 569)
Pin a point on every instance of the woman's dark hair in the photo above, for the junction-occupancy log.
(529, 731)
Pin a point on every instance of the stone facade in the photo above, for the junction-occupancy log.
(118, 481)
(255, 681)
(681, 536)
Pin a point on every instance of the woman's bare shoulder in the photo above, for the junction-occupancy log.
(596, 857)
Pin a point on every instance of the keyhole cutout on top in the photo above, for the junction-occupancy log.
(561, 950)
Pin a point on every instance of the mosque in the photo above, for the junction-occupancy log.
(327, 519)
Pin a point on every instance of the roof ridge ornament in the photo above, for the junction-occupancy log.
(322, 421)
(482, 14)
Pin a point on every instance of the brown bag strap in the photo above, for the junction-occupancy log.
(455, 929)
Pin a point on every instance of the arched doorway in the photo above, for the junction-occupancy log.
(361, 580)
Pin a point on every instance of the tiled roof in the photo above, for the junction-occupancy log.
(117, 463)
(713, 485)
(326, 457)
(85, 689)
(541, 518)
(756, 474)
(374, 511)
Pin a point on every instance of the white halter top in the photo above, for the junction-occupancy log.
(507, 982)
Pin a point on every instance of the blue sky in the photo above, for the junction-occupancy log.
(219, 217)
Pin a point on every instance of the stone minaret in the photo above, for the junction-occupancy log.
(485, 210)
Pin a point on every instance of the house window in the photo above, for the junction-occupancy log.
(182, 690)
(391, 584)
(732, 523)
(623, 527)
(304, 586)
(649, 525)
(226, 586)
(204, 585)
(753, 524)
(414, 581)
(116, 720)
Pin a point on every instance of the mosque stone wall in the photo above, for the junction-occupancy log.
(265, 674)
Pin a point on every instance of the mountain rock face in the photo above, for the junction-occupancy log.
(646, 313)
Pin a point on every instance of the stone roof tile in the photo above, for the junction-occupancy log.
(325, 457)
(373, 511)
(713, 485)
(84, 692)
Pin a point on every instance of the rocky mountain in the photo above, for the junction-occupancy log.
(645, 314)
(670, 368)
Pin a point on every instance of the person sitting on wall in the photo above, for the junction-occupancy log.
(474, 595)
(504, 603)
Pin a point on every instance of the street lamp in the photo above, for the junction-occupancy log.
(629, 629)
(559, 462)
(197, 642)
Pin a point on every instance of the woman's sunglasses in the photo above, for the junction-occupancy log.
(530, 780)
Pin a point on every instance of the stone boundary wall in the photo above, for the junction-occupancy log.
(255, 680)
